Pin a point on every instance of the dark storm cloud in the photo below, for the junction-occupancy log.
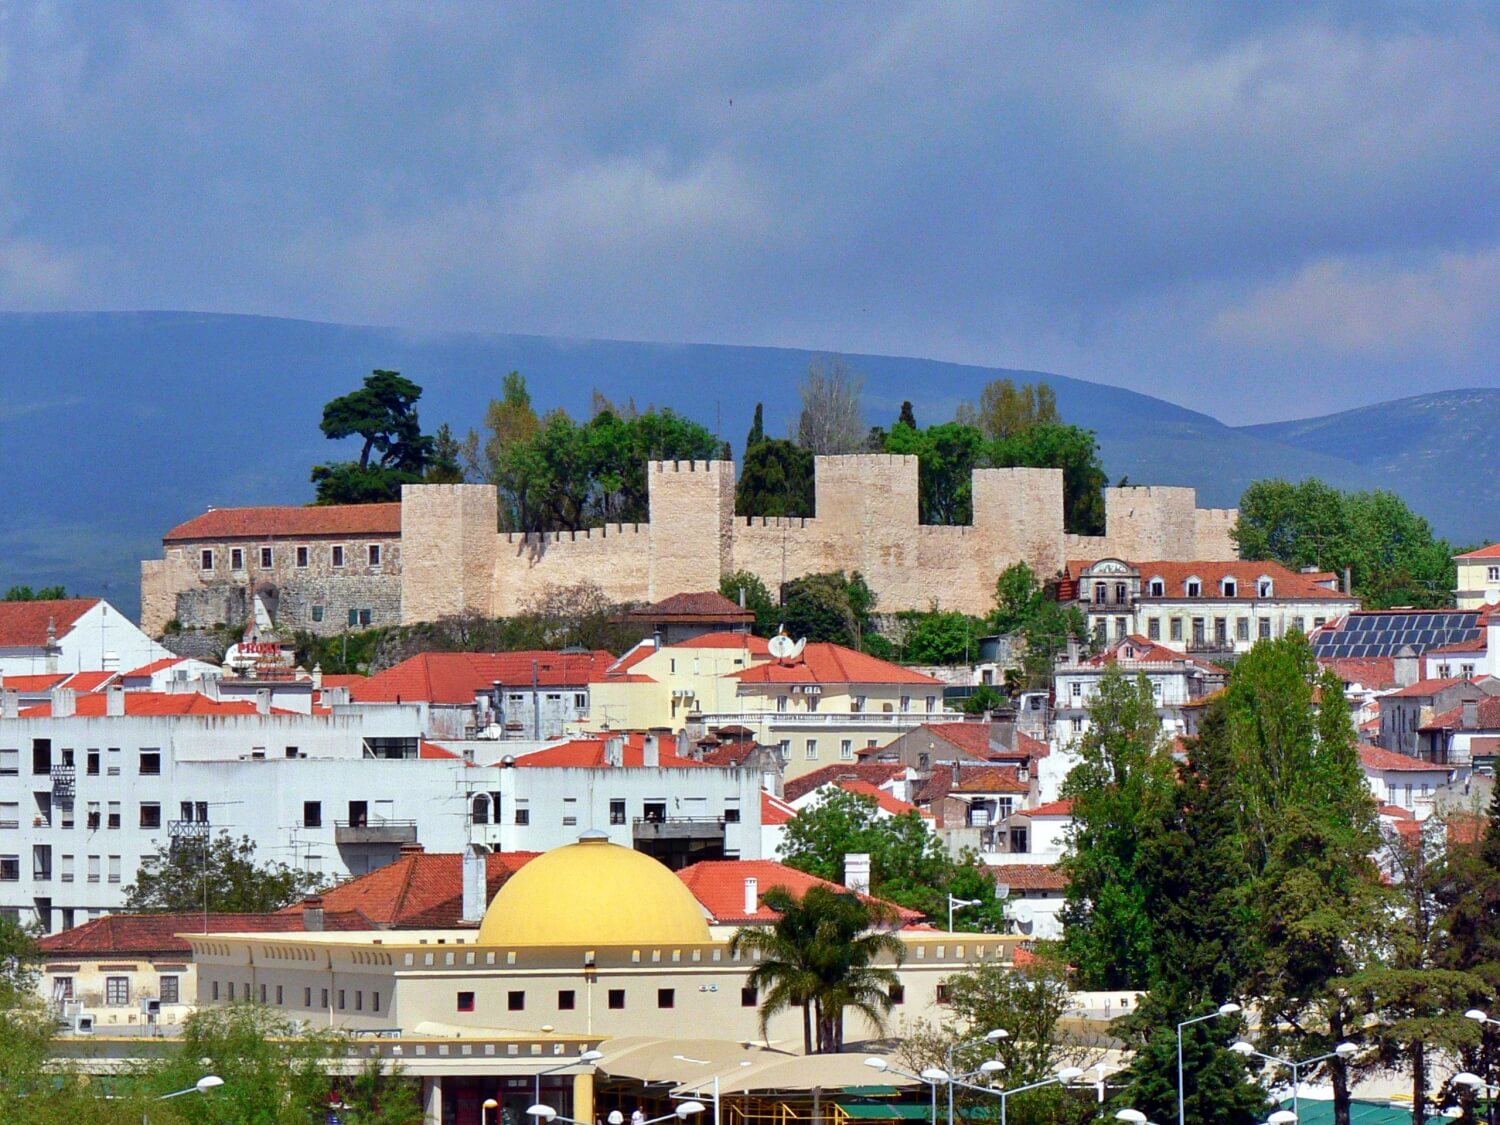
(1203, 201)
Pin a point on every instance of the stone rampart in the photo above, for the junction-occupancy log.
(866, 520)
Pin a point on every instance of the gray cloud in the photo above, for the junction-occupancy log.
(1162, 197)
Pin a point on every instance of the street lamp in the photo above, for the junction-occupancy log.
(932, 1075)
(1061, 1078)
(952, 902)
(1282, 1117)
(1131, 1117)
(1474, 1082)
(545, 1113)
(1343, 1051)
(718, 1104)
(202, 1086)
(586, 1057)
(488, 1106)
(993, 1036)
(1223, 1010)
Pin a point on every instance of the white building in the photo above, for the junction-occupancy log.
(91, 785)
(1176, 681)
(71, 635)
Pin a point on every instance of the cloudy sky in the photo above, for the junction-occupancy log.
(1262, 211)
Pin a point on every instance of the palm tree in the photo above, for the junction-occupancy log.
(821, 956)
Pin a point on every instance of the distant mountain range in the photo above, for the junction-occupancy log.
(115, 426)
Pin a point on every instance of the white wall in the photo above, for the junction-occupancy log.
(102, 639)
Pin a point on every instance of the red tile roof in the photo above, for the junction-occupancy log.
(1376, 672)
(290, 522)
(1396, 812)
(1473, 647)
(1030, 876)
(1285, 583)
(758, 646)
(708, 606)
(1379, 758)
(719, 884)
(1052, 808)
(155, 703)
(972, 738)
(431, 751)
(90, 681)
(991, 779)
(774, 811)
(139, 934)
(873, 772)
(1423, 688)
(1487, 716)
(418, 891)
(453, 677)
(588, 753)
(1490, 552)
(886, 800)
(25, 624)
(823, 663)
(154, 667)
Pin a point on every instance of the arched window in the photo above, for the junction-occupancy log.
(481, 809)
(1263, 586)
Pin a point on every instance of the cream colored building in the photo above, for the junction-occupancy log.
(588, 943)
(1478, 583)
(822, 706)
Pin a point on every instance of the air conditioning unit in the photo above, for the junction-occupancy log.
(150, 1006)
(682, 693)
(84, 1025)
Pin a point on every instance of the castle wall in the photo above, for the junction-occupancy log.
(690, 537)
(448, 564)
(616, 558)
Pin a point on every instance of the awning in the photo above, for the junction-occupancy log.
(676, 1060)
(775, 1071)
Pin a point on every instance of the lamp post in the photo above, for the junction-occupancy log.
(1061, 1078)
(586, 1057)
(994, 1036)
(1223, 1010)
(1482, 1017)
(202, 1086)
(932, 1075)
(1342, 1051)
(487, 1107)
(704, 1062)
(952, 902)
(1131, 1117)
(1282, 1117)
(545, 1113)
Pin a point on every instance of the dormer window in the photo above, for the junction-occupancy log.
(1263, 586)
(1230, 587)
(1194, 587)
(1158, 588)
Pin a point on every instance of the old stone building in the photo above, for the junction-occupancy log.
(324, 569)
(441, 553)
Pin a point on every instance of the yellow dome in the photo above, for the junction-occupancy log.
(593, 893)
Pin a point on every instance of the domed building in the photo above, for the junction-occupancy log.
(590, 947)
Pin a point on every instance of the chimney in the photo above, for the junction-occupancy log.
(752, 895)
(312, 914)
(684, 744)
(317, 676)
(64, 703)
(1471, 714)
(114, 700)
(1348, 581)
(262, 701)
(1072, 649)
(857, 872)
(10, 703)
(1407, 667)
(474, 887)
(614, 750)
(652, 757)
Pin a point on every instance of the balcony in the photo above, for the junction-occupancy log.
(678, 828)
(826, 720)
(63, 784)
(374, 832)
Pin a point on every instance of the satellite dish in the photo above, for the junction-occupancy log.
(798, 647)
(1492, 597)
(781, 646)
(1023, 912)
(1002, 891)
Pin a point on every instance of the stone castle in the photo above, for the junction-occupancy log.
(449, 558)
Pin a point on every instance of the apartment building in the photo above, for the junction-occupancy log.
(1176, 681)
(71, 635)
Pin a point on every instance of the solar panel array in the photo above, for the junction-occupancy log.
(1385, 634)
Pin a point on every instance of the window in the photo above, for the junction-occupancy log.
(811, 750)
(781, 703)
(1158, 588)
(523, 814)
(10, 814)
(338, 555)
(312, 814)
(731, 815)
(112, 762)
(785, 749)
(570, 811)
(317, 613)
(1466, 671)
(905, 704)
(216, 990)
(359, 1000)
(302, 557)
(322, 999)
(580, 701)
(341, 999)
(567, 1000)
(375, 1001)
(1319, 622)
(10, 763)
(479, 809)
(114, 815)
(65, 869)
(62, 988)
(616, 999)
(236, 559)
(515, 1001)
(1231, 588)
(150, 815)
(1119, 593)
(114, 869)
(898, 994)
(1263, 587)
(374, 554)
(41, 756)
(306, 997)
(858, 703)
(846, 749)
(1075, 689)
(654, 812)
(1153, 629)
(1493, 575)
(10, 869)
(749, 997)
(206, 559)
(666, 997)
(150, 763)
(811, 701)
(91, 764)
(94, 868)
(262, 994)
(1297, 624)
(1263, 628)
(616, 811)
(1242, 628)
(943, 996)
(116, 992)
(1221, 630)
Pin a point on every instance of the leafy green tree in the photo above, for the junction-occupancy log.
(20, 961)
(938, 637)
(822, 955)
(444, 467)
(507, 457)
(758, 599)
(27, 594)
(1073, 450)
(383, 413)
(1005, 409)
(832, 419)
(1122, 783)
(947, 456)
(1218, 1089)
(833, 607)
(1390, 551)
(219, 875)
(986, 697)
(1018, 598)
(1468, 898)
(776, 479)
(757, 432)
(908, 416)
(1026, 1001)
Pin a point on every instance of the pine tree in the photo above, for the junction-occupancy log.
(757, 432)
(908, 416)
